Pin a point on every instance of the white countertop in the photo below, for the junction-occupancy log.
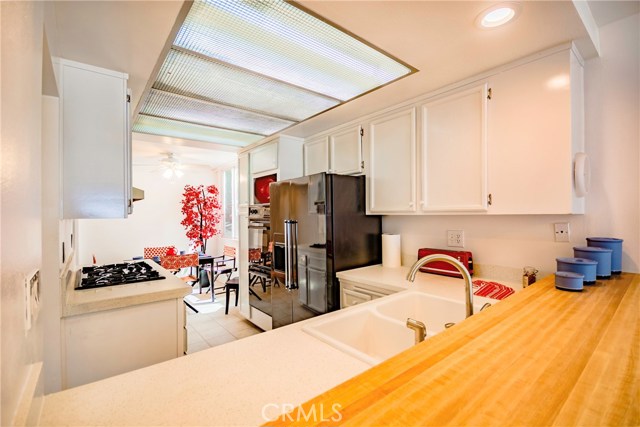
(228, 385)
(111, 297)
(232, 384)
(394, 279)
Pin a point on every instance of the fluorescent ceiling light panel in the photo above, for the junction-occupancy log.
(175, 129)
(257, 67)
(172, 106)
(208, 80)
(279, 40)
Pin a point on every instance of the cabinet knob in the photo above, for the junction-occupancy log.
(411, 204)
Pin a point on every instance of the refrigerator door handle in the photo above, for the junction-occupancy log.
(291, 253)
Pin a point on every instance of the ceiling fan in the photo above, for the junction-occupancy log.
(172, 166)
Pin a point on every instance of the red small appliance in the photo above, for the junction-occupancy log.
(443, 268)
(261, 188)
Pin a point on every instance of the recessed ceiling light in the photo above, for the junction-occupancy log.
(498, 15)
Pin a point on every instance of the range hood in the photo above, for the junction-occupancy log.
(137, 194)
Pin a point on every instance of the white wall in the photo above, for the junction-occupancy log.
(155, 220)
(22, 25)
(612, 139)
(612, 116)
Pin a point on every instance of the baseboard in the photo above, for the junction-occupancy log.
(32, 398)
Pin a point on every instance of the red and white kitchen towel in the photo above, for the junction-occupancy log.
(491, 289)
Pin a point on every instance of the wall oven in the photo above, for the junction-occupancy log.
(260, 258)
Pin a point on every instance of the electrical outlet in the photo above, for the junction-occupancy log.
(455, 238)
(561, 231)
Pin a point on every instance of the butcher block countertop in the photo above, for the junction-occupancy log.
(541, 357)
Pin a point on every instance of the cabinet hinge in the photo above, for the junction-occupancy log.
(489, 93)
(128, 98)
(362, 164)
(489, 199)
(361, 132)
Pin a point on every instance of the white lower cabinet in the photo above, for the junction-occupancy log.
(391, 166)
(354, 293)
(106, 343)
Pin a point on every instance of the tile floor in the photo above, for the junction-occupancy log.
(205, 330)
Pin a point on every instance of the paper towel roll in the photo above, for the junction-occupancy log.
(391, 250)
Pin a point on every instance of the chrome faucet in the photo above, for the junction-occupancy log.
(468, 287)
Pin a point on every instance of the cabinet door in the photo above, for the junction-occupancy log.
(530, 138)
(392, 163)
(454, 151)
(316, 156)
(345, 148)
(243, 179)
(264, 158)
(95, 144)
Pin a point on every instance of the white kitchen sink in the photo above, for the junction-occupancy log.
(375, 331)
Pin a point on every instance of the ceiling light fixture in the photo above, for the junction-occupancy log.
(498, 15)
(172, 167)
(252, 68)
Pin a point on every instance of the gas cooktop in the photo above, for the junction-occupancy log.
(117, 274)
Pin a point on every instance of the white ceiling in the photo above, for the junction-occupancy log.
(437, 37)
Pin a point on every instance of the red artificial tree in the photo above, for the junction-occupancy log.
(201, 210)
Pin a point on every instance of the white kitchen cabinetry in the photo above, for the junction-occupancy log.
(535, 130)
(264, 158)
(391, 173)
(105, 343)
(454, 146)
(345, 151)
(353, 293)
(339, 152)
(243, 179)
(282, 155)
(243, 263)
(316, 155)
(96, 145)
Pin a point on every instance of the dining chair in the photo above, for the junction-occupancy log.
(222, 265)
(175, 263)
(156, 251)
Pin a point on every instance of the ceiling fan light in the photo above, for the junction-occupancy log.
(179, 173)
(168, 174)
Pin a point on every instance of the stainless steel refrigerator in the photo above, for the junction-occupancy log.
(318, 227)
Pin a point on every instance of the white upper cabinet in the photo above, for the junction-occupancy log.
(243, 179)
(316, 155)
(338, 152)
(96, 153)
(535, 130)
(345, 149)
(454, 146)
(391, 169)
(264, 158)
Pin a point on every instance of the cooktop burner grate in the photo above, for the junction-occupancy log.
(117, 274)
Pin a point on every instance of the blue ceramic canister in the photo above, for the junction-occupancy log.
(601, 255)
(584, 266)
(610, 243)
(569, 281)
